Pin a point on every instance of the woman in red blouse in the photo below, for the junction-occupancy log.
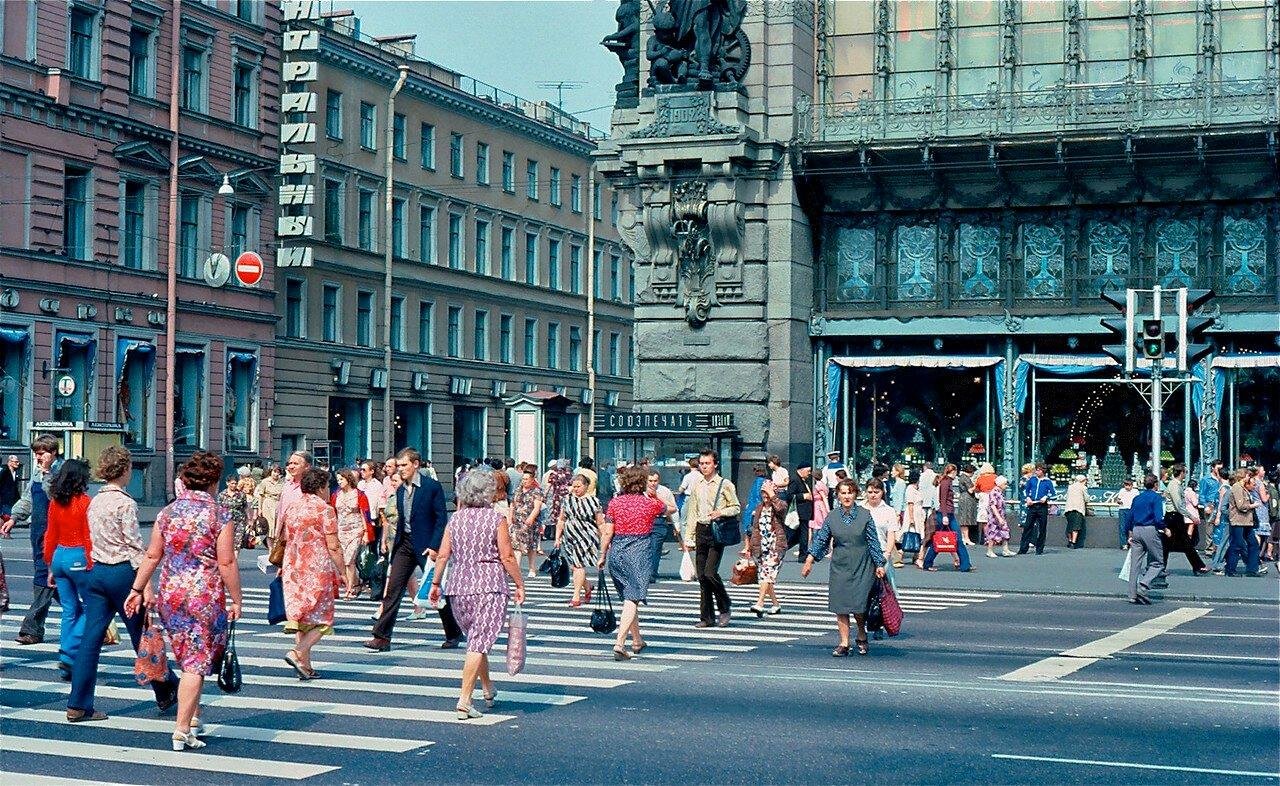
(67, 553)
(626, 546)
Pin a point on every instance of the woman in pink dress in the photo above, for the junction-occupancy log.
(193, 544)
(352, 506)
(312, 560)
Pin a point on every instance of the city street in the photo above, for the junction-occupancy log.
(985, 686)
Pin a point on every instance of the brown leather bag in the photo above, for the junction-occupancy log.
(276, 557)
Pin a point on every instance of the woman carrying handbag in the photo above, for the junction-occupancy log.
(767, 544)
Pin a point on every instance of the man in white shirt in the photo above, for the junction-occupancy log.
(665, 523)
(834, 464)
(928, 490)
(1125, 497)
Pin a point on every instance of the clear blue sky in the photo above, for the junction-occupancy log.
(511, 44)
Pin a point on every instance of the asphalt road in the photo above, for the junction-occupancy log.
(976, 689)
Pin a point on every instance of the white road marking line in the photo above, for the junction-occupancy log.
(1076, 658)
(285, 705)
(234, 765)
(499, 675)
(1157, 686)
(226, 731)
(1133, 765)
(1201, 656)
(30, 779)
(536, 646)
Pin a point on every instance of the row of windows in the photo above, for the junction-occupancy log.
(84, 57)
(562, 257)
(458, 158)
(559, 348)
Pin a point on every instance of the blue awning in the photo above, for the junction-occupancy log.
(241, 357)
(13, 335)
(128, 346)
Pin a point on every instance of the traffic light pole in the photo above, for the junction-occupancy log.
(1157, 396)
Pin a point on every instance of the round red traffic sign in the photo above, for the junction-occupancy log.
(248, 268)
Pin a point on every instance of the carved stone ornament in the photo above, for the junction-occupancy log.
(698, 44)
(683, 114)
(625, 43)
(695, 264)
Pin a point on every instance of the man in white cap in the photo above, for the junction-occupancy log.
(834, 463)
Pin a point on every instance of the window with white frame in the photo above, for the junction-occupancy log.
(364, 220)
(82, 40)
(330, 316)
(397, 323)
(245, 95)
(505, 348)
(142, 77)
(77, 228)
(137, 210)
(368, 126)
(195, 81)
(480, 348)
(426, 327)
(455, 241)
(241, 400)
(427, 234)
(455, 154)
(333, 114)
(188, 396)
(482, 163)
(364, 318)
(427, 143)
(531, 179)
(482, 247)
(554, 186)
(507, 253)
(575, 193)
(333, 204)
(398, 208)
(508, 171)
(397, 136)
(295, 308)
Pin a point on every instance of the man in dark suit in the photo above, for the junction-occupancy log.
(422, 518)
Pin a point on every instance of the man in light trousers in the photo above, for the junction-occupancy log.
(1146, 519)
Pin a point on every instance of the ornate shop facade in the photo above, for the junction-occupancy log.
(912, 208)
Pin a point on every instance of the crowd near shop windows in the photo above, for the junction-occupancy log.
(505, 322)
(553, 264)
(530, 258)
(575, 193)
(76, 210)
(75, 354)
(554, 187)
(241, 400)
(553, 345)
(397, 136)
(426, 328)
(194, 95)
(468, 433)
(455, 155)
(188, 397)
(427, 143)
(482, 163)
(575, 269)
(136, 246)
(15, 343)
(294, 308)
(482, 247)
(135, 371)
(508, 172)
(413, 427)
(397, 323)
(531, 179)
(141, 76)
(455, 332)
(575, 348)
(480, 338)
(508, 250)
(364, 220)
(368, 126)
(329, 318)
(333, 114)
(427, 234)
(82, 42)
(398, 207)
(245, 95)
(348, 429)
(333, 211)
(531, 342)
(364, 319)
(455, 241)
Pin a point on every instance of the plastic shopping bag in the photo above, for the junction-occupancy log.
(686, 567)
(1124, 568)
(424, 588)
(517, 641)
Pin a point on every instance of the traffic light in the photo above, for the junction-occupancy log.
(1152, 342)
(1192, 341)
(1121, 329)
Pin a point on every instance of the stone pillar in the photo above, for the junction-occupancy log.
(724, 260)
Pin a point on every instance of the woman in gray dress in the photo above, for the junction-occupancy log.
(856, 562)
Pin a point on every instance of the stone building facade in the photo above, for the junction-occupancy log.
(85, 221)
(489, 222)
(914, 207)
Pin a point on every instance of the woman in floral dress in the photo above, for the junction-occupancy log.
(312, 560)
(578, 535)
(767, 543)
(557, 490)
(192, 544)
(237, 505)
(352, 507)
(997, 526)
(524, 516)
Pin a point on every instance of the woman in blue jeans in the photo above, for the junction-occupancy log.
(946, 520)
(66, 551)
(117, 550)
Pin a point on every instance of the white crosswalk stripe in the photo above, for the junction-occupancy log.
(415, 683)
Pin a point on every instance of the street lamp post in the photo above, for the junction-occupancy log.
(591, 308)
(171, 246)
(389, 158)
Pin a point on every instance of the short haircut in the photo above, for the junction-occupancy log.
(45, 443)
(774, 459)
(587, 463)
(529, 469)
(633, 480)
(314, 480)
(1178, 470)
(305, 455)
(476, 490)
(1040, 465)
(847, 483)
(202, 470)
(913, 476)
(877, 484)
(1150, 481)
(410, 455)
(113, 462)
(711, 453)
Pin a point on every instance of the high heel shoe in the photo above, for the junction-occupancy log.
(197, 726)
(757, 610)
(184, 741)
(490, 699)
(621, 654)
(468, 713)
(775, 610)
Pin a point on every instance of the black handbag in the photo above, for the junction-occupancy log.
(726, 530)
(875, 614)
(603, 619)
(229, 677)
(557, 567)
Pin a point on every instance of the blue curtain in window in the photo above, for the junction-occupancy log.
(1063, 366)
(135, 361)
(13, 335)
(77, 353)
(14, 344)
(241, 383)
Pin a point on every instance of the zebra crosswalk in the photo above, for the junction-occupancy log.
(395, 703)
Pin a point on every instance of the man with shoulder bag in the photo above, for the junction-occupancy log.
(711, 509)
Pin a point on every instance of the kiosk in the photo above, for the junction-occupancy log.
(667, 439)
(82, 439)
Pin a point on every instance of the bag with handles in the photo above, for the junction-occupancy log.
(726, 530)
(276, 612)
(603, 619)
(744, 572)
(944, 541)
(229, 678)
(517, 640)
(890, 609)
(911, 541)
(152, 663)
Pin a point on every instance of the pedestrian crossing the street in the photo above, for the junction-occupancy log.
(398, 702)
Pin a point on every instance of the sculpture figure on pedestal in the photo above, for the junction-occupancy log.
(698, 44)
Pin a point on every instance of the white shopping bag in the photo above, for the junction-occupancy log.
(686, 567)
(1124, 569)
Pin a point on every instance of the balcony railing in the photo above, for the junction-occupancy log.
(1128, 106)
